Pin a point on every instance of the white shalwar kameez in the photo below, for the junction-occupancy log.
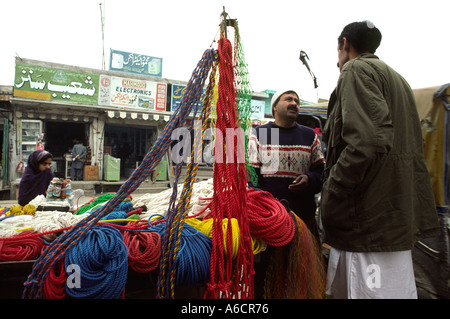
(371, 275)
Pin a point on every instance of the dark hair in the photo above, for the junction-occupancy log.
(363, 36)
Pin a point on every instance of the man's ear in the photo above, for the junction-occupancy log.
(346, 45)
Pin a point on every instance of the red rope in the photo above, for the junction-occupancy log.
(230, 191)
(144, 250)
(54, 285)
(23, 246)
(269, 220)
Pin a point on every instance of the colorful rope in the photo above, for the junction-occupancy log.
(176, 215)
(244, 93)
(54, 252)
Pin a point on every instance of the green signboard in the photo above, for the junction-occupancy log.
(53, 84)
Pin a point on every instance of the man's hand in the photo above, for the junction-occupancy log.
(300, 183)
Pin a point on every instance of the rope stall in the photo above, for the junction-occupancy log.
(58, 248)
(215, 250)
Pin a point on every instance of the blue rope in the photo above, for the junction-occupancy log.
(56, 250)
(120, 212)
(176, 214)
(102, 257)
(9, 216)
(193, 258)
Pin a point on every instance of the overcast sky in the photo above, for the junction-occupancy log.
(415, 36)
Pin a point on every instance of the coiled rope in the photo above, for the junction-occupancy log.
(57, 249)
(20, 247)
(205, 226)
(268, 218)
(102, 258)
(193, 257)
(93, 203)
(144, 250)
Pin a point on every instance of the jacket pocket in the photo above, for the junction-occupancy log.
(336, 213)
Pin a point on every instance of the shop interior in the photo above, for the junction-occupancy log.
(130, 144)
(58, 141)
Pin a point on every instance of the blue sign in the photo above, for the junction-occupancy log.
(135, 63)
(258, 109)
(178, 92)
(177, 96)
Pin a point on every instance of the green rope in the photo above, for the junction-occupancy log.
(244, 94)
(99, 200)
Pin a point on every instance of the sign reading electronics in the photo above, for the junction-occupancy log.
(117, 91)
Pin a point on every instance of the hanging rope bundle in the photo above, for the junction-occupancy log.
(297, 270)
(229, 198)
(171, 236)
(244, 94)
(57, 249)
(102, 258)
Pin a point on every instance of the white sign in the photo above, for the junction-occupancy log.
(116, 91)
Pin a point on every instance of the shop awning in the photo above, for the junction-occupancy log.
(138, 116)
(319, 109)
(56, 117)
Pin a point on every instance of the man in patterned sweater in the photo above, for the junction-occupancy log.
(288, 159)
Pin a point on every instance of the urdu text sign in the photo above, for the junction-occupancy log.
(43, 83)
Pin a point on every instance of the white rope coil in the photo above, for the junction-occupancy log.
(157, 203)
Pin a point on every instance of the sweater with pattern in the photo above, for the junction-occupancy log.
(279, 155)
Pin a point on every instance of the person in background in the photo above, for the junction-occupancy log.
(36, 177)
(295, 175)
(294, 171)
(377, 199)
(79, 152)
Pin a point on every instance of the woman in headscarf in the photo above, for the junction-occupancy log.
(37, 176)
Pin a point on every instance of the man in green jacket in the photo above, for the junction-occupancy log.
(377, 199)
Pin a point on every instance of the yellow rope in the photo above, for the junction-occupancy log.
(205, 227)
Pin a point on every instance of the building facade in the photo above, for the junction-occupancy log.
(117, 115)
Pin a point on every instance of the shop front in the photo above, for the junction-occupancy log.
(51, 131)
(127, 138)
(117, 118)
